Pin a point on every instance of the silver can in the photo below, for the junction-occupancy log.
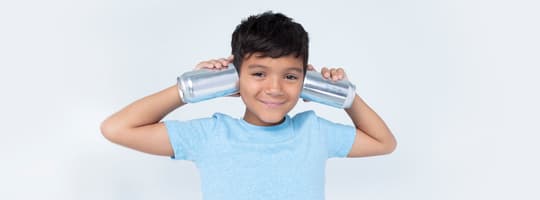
(339, 94)
(204, 84)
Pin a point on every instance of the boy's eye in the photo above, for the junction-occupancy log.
(291, 77)
(258, 74)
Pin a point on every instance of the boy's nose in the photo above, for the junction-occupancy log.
(273, 87)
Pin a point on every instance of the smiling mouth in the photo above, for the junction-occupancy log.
(272, 104)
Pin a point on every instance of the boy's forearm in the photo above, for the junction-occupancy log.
(366, 120)
(148, 110)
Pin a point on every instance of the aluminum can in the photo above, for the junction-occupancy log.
(205, 84)
(339, 94)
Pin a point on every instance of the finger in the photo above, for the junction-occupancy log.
(203, 65)
(216, 64)
(311, 68)
(333, 74)
(210, 64)
(224, 62)
(341, 74)
(230, 58)
(325, 72)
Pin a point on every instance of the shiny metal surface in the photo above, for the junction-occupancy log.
(204, 84)
(339, 94)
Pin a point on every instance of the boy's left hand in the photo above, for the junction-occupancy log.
(334, 74)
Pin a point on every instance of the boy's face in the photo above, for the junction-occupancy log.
(270, 87)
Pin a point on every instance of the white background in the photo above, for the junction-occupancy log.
(456, 81)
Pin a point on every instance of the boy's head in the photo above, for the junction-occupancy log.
(270, 54)
(270, 35)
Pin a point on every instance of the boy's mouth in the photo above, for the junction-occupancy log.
(272, 104)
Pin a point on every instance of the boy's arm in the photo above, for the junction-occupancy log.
(373, 137)
(137, 126)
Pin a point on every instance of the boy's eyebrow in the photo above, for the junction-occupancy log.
(266, 67)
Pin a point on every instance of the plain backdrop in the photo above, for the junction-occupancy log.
(456, 81)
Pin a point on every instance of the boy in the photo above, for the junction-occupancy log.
(266, 154)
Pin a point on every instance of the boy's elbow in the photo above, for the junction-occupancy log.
(108, 130)
(390, 146)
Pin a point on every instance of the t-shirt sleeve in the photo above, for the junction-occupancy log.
(188, 138)
(339, 137)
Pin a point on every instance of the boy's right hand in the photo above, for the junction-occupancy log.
(215, 64)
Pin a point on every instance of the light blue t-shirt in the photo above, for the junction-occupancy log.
(237, 160)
